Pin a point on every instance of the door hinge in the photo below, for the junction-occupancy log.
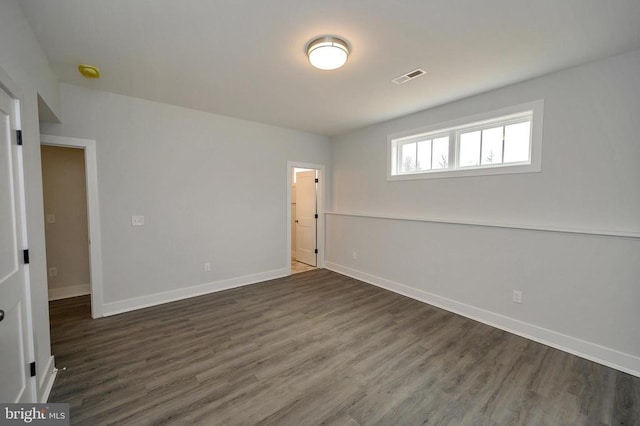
(316, 251)
(32, 366)
(316, 215)
(317, 180)
(19, 137)
(25, 256)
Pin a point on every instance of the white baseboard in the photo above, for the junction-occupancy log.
(132, 304)
(46, 380)
(591, 351)
(69, 291)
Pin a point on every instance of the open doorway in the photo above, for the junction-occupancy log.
(64, 185)
(304, 213)
(72, 232)
(305, 233)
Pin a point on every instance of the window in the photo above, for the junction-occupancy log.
(424, 154)
(499, 142)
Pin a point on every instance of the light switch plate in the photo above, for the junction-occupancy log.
(51, 218)
(517, 296)
(137, 220)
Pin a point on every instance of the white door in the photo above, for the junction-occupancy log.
(306, 217)
(16, 384)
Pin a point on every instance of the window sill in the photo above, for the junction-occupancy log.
(467, 172)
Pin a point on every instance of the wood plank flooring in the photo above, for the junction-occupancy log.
(297, 267)
(320, 348)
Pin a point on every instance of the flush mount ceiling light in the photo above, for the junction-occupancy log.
(327, 53)
(89, 71)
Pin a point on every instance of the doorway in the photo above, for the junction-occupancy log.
(64, 185)
(305, 224)
(75, 266)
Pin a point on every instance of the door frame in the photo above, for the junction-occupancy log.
(93, 213)
(320, 208)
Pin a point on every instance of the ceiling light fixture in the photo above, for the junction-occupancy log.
(327, 53)
(89, 71)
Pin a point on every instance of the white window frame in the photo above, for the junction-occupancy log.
(454, 128)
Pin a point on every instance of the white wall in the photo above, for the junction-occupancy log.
(22, 58)
(580, 291)
(211, 188)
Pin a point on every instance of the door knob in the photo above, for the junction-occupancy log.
(1, 314)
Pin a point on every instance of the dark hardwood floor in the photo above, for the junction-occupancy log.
(320, 348)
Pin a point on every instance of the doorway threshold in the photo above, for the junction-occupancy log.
(297, 267)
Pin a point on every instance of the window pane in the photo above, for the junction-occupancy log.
(516, 142)
(424, 155)
(440, 158)
(470, 149)
(492, 145)
(408, 157)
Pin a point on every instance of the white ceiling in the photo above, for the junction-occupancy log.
(245, 58)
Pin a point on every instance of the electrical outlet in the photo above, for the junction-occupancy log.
(137, 220)
(207, 266)
(354, 255)
(517, 296)
(53, 271)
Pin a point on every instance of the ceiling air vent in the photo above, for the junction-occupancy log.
(409, 76)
